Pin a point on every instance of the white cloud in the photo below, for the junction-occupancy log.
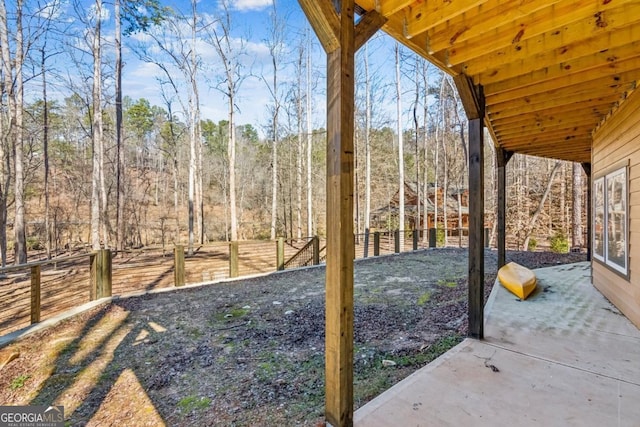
(248, 5)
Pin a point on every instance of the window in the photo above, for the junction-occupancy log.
(610, 232)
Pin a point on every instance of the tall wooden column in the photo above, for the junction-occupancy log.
(502, 159)
(334, 24)
(340, 244)
(472, 97)
(588, 241)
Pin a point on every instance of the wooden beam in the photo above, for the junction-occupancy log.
(471, 96)
(604, 62)
(586, 80)
(325, 22)
(368, 25)
(425, 15)
(595, 111)
(565, 22)
(395, 28)
(502, 159)
(482, 20)
(387, 8)
(552, 150)
(579, 94)
(541, 127)
(550, 49)
(554, 134)
(340, 242)
(544, 127)
(555, 106)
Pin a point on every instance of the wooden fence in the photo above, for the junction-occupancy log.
(36, 291)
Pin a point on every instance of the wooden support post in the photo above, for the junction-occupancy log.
(396, 241)
(486, 237)
(280, 254)
(365, 252)
(100, 275)
(333, 23)
(502, 159)
(105, 290)
(35, 294)
(476, 225)
(588, 241)
(340, 248)
(178, 265)
(376, 243)
(472, 97)
(433, 237)
(233, 259)
(316, 250)
(416, 236)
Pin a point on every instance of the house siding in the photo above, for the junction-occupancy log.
(618, 140)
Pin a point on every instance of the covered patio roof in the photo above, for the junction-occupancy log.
(541, 75)
(552, 70)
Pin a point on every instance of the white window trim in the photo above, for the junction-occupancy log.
(604, 179)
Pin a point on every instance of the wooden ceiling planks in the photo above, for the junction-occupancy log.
(550, 69)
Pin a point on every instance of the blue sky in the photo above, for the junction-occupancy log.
(251, 22)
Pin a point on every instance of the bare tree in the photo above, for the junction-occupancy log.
(230, 52)
(367, 143)
(538, 210)
(400, 146)
(8, 126)
(577, 206)
(309, 138)
(276, 46)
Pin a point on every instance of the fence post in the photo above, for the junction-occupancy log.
(486, 237)
(433, 237)
(280, 254)
(316, 250)
(100, 274)
(35, 294)
(416, 237)
(178, 265)
(396, 241)
(233, 259)
(365, 251)
(376, 243)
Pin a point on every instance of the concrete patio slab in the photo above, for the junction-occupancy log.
(563, 357)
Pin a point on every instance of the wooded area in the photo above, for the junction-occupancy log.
(93, 167)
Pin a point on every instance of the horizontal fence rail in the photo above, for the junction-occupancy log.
(33, 292)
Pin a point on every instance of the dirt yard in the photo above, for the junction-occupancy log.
(248, 352)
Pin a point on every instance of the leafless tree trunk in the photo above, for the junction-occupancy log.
(19, 220)
(276, 51)
(400, 147)
(45, 151)
(577, 206)
(120, 176)
(96, 132)
(367, 141)
(8, 126)
(535, 215)
(425, 112)
(229, 52)
(309, 141)
(300, 154)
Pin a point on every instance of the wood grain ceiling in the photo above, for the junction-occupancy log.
(552, 70)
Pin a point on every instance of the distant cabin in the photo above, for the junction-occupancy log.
(455, 206)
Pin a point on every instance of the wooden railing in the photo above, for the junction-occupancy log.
(30, 293)
(308, 255)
